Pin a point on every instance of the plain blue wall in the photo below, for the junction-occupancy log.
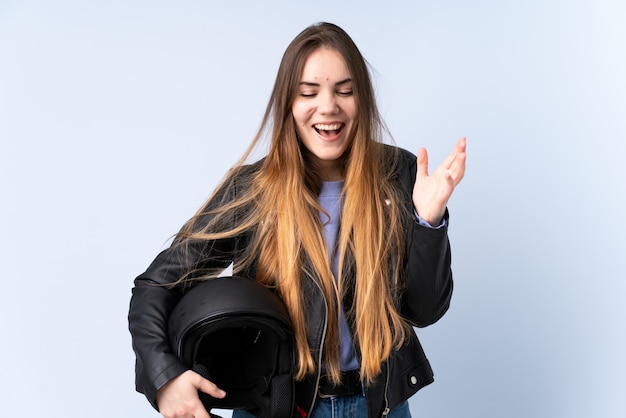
(117, 119)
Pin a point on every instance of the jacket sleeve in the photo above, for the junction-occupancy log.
(151, 303)
(428, 285)
(153, 298)
(428, 280)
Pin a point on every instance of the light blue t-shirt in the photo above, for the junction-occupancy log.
(331, 200)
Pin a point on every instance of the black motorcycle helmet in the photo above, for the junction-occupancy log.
(237, 333)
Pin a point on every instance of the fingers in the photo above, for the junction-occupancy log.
(453, 167)
(432, 192)
(461, 144)
(210, 388)
(422, 162)
(459, 150)
(457, 167)
(179, 397)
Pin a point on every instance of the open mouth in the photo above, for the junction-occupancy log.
(328, 130)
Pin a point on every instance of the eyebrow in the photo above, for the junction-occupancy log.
(311, 84)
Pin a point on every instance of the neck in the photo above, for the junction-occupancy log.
(327, 175)
(328, 170)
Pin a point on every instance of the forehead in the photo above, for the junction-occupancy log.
(325, 64)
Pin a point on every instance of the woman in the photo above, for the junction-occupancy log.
(350, 232)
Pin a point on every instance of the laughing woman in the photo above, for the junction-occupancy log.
(350, 232)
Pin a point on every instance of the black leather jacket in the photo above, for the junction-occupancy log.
(426, 297)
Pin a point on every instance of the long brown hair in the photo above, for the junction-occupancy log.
(282, 217)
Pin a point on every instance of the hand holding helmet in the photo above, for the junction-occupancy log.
(235, 336)
(179, 398)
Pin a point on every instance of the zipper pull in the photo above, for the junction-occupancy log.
(386, 412)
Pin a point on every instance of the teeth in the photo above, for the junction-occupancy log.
(323, 127)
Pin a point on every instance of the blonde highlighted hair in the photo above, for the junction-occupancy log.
(279, 213)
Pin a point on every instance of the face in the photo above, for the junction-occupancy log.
(325, 109)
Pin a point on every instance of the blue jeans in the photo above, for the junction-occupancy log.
(342, 407)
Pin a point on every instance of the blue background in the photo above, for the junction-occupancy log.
(117, 119)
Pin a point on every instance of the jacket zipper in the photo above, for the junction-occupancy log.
(321, 346)
(386, 410)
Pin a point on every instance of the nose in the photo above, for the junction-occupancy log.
(328, 103)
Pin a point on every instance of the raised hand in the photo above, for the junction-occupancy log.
(432, 192)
